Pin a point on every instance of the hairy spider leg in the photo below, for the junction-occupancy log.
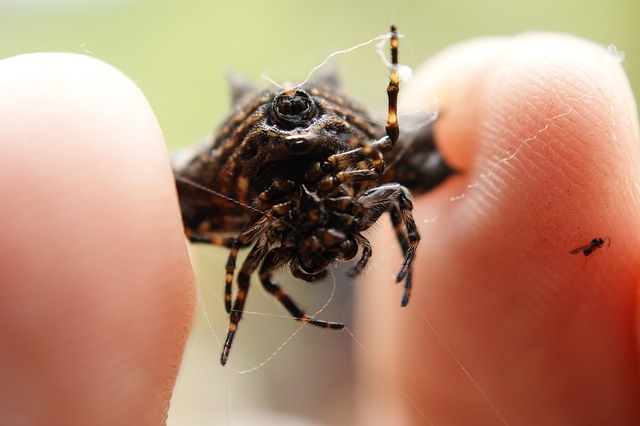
(373, 151)
(361, 152)
(332, 181)
(250, 264)
(392, 128)
(233, 243)
(239, 242)
(387, 198)
(216, 240)
(273, 260)
(393, 88)
(408, 249)
(405, 206)
(401, 235)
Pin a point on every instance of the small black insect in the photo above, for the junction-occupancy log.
(299, 174)
(594, 245)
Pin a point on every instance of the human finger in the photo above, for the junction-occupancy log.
(97, 293)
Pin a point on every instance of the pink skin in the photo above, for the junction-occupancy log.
(97, 294)
(96, 290)
(544, 130)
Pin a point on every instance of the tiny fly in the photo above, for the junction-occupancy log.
(594, 245)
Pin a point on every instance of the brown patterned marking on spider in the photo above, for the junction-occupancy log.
(300, 174)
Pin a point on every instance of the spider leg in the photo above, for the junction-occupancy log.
(361, 152)
(332, 181)
(408, 240)
(237, 243)
(273, 260)
(401, 235)
(278, 188)
(366, 152)
(390, 197)
(364, 257)
(334, 171)
(244, 277)
(216, 240)
(392, 129)
(393, 88)
(407, 288)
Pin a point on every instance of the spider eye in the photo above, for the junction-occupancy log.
(293, 108)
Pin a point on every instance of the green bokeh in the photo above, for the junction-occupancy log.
(178, 51)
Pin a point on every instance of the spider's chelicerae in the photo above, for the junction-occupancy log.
(299, 174)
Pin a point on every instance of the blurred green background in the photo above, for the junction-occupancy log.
(178, 53)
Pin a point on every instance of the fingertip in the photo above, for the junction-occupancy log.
(543, 127)
(99, 294)
(476, 80)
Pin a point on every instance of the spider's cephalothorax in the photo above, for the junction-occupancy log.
(299, 174)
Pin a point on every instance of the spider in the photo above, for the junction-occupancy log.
(299, 175)
(594, 245)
